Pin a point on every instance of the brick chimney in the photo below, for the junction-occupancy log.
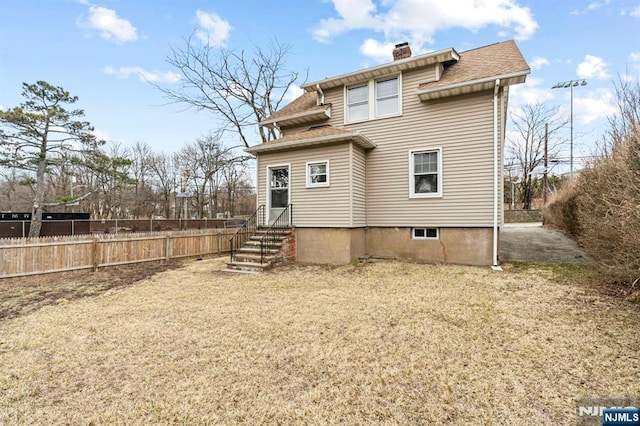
(402, 51)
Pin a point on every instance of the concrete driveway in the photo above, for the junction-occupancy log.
(531, 242)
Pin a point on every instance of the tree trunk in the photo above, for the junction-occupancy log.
(36, 213)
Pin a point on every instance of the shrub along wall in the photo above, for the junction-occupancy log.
(602, 210)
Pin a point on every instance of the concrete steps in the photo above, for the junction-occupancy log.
(248, 257)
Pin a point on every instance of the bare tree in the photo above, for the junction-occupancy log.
(203, 163)
(109, 178)
(525, 146)
(236, 185)
(140, 167)
(240, 88)
(165, 181)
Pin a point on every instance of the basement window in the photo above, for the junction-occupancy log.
(425, 233)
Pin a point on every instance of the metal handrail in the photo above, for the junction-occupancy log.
(247, 229)
(271, 234)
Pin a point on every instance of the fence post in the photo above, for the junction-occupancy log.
(167, 249)
(219, 243)
(96, 254)
(23, 228)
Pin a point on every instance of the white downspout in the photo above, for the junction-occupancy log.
(496, 192)
(319, 101)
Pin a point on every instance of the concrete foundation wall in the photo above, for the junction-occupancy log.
(335, 246)
(468, 246)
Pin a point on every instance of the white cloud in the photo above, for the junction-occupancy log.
(379, 52)
(537, 62)
(102, 136)
(595, 5)
(213, 30)
(635, 12)
(293, 93)
(419, 20)
(533, 91)
(143, 75)
(110, 25)
(593, 67)
(634, 58)
(597, 104)
(591, 6)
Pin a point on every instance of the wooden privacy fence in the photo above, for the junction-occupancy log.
(21, 257)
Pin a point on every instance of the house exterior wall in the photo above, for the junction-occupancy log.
(331, 206)
(461, 126)
(358, 187)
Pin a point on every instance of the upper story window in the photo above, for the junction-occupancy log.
(358, 103)
(387, 97)
(425, 173)
(373, 99)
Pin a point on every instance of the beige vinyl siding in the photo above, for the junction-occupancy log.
(358, 193)
(461, 126)
(320, 206)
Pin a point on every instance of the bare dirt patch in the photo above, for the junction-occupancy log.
(388, 342)
(22, 295)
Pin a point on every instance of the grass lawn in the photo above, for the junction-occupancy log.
(386, 342)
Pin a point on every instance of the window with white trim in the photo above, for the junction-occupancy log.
(425, 171)
(358, 102)
(425, 233)
(318, 173)
(387, 97)
(373, 99)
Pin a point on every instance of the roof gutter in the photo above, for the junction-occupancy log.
(499, 79)
(426, 59)
(357, 137)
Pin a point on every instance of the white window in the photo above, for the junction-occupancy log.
(318, 173)
(387, 97)
(425, 233)
(358, 103)
(373, 99)
(425, 173)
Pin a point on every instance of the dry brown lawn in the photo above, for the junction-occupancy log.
(389, 343)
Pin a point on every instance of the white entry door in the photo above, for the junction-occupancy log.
(278, 191)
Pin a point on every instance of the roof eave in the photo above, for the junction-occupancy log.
(472, 86)
(356, 137)
(300, 118)
(385, 69)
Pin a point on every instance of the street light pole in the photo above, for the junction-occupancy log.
(563, 85)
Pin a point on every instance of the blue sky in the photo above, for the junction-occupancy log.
(101, 50)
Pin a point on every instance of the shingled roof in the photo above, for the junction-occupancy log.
(500, 60)
(465, 72)
(303, 108)
(313, 136)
